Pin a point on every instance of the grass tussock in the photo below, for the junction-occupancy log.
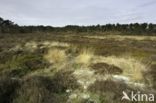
(85, 56)
(55, 56)
(31, 46)
(131, 67)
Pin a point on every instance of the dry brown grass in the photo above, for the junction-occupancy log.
(31, 46)
(131, 67)
(120, 38)
(55, 56)
(85, 56)
(54, 44)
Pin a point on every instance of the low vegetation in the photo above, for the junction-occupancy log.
(75, 64)
(85, 56)
(130, 66)
(55, 56)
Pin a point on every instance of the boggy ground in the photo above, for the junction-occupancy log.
(58, 68)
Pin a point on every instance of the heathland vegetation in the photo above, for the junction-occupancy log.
(76, 64)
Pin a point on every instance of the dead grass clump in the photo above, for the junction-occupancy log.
(31, 46)
(55, 56)
(85, 56)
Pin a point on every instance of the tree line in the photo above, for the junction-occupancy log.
(7, 26)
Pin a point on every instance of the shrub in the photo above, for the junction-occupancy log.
(103, 68)
(64, 80)
(39, 89)
(108, 93)
(32, 90)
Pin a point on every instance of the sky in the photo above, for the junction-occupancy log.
(78, 12)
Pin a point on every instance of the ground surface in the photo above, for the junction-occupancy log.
(72, 68)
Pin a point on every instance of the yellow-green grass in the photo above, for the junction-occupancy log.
(131, 67)
(85, 56)
(121, 37)
(55, 55)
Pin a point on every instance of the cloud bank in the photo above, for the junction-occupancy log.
(77, 12)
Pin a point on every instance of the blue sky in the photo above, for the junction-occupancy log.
(78, 12)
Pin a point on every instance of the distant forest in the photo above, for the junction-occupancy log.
(7, 26)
